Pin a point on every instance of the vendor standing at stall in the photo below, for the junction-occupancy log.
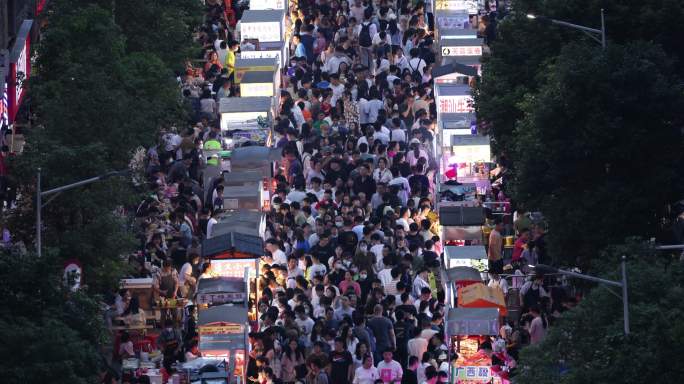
(495, 249)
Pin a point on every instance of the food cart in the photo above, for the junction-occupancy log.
(465, 328)
(259, 83)
(260, 159)
(467, 160)
(223, 331)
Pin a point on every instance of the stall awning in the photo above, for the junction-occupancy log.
(454, 67)
(253, 158)
(232, 241)
(223, 314)
(241, 231)
(466, 252)
(463, 274)
(245, 104)
(481, 296)
(470, 140)
(472, 321)
(461, 216)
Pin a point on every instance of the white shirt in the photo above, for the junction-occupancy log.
(210, 227)
(363, 115)
(383, 137)
(401, 62)
(405, 189)
(398, 134)
(502, 284)
(417, 346)
(296, 195)
(279, 257)
(337, 92)
(385, 277)
(366, 376)
(417, 64)
(382, 176)
(418, 284)
(392, 370)
(371, 108)
(377, 251)
(305, 325)
(185, 272)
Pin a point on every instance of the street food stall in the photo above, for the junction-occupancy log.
(465, 329)
(479, 295)
(223, 331)
(467, 160)
(259, 83)
(243, 190)
(261, 159)
(453, 98)
(474, 256)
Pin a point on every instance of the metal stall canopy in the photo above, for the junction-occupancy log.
(243, 190)
(464, 256)
(221, 290)
(463, 274)
(472, 321)
(461, 216)
(241, 113)
(255, 158)
(222, 328)
(240, 231)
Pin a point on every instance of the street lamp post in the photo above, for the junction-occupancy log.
(591, 32)
(622, 284)
(40, 194)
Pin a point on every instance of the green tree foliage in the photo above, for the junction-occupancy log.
(598, 148)
(49, 334)
(588, 342)
(524, 49)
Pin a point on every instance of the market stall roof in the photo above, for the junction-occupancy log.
(461, 41)
(457, 120)
(463, 274)
(262, 15)
(472, 321)
(241, 177)
(257, 62)
(254, 157)
(454, 67)
(481, 296)
(466, 252)
(454, 90)
(223, 313)
(471, 61)
(257, 77)
(245, 104)
(239, 230)
(461, 216)
(221, 284)
(470, 140)
(457, 33)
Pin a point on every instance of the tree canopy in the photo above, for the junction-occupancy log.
(588, 346)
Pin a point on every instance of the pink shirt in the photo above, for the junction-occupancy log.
(346, 284)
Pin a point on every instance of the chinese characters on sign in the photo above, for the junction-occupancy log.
(220, 298)
(456, 104)
(264, 32)
(474, 50)
(469, 6)
(261, 55)
(474, 373)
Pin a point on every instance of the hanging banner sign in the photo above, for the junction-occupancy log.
(19, 69)
(456, 104)
(469, 6)
(473, 50)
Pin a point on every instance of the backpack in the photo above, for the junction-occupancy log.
(365, 37)
(415, 73)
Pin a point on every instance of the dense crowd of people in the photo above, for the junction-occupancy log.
(351, 290)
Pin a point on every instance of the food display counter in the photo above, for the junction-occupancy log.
(223, 334)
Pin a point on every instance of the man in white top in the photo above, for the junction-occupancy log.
(212, 221)
(402, 183)
(497, 281)
(277, 255)
(381, 135)
(366, 373)
(397, 134)
(389, 369)
(420, 282)
(337, 58)
(337, 88)
(399, 59)
(186, 281)
(416, 63)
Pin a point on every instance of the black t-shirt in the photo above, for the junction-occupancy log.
(340, 363)
(348, 240)
(407, 308)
